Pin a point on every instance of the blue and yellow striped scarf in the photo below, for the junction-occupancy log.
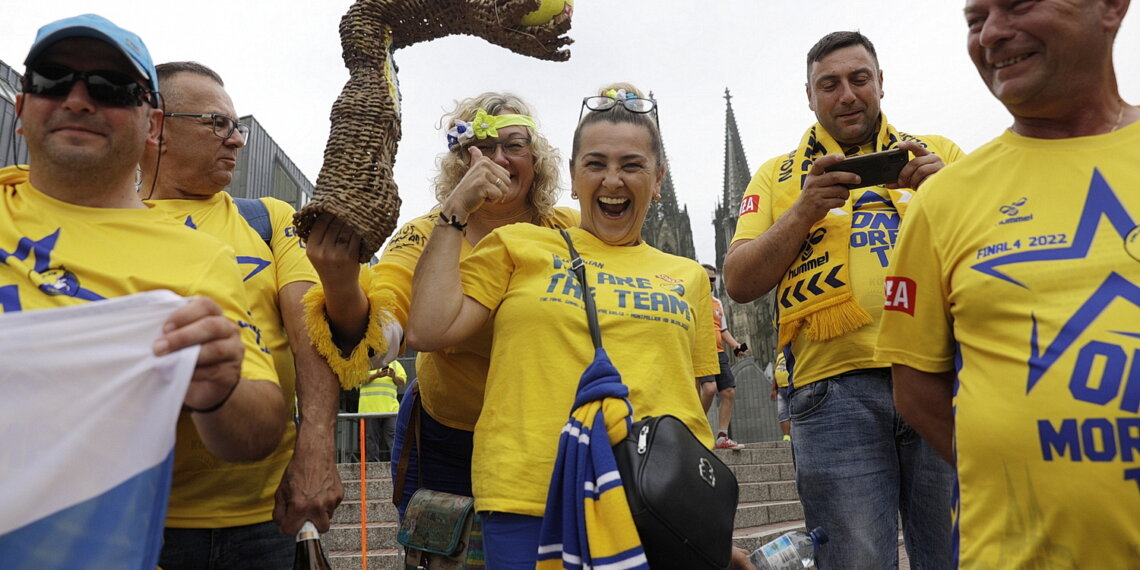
(587, 522)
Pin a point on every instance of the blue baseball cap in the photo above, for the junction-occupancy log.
(100, 28)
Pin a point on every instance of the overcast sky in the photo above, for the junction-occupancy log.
(281, 62)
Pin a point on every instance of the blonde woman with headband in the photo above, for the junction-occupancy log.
(493, 144)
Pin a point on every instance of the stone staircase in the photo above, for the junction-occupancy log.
(768, 507)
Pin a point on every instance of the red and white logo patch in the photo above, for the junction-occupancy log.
(900, 294)
(749, 205)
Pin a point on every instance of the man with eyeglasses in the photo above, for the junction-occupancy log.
(227, 507)
(722, 386)
(822, 238)
(73, 229)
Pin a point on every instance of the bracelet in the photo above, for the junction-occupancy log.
(452, 221)
(215, 407)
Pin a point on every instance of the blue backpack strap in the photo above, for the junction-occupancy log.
(256, 214)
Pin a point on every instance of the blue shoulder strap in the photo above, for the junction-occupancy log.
(256, 214)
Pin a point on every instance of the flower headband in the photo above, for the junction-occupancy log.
(483, 126)
(619, 94)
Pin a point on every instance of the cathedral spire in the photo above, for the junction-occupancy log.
(736, 171)
(751, 322)
(667, 226)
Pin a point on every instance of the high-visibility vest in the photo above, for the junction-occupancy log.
(380, 395)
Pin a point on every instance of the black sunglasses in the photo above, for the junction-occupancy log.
(631, 104)
(104, 86)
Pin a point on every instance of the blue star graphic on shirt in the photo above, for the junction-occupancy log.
(1101, 202)
(53, 280)
(258, 263)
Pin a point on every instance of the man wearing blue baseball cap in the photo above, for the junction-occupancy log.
(73, 229)
(99, 28)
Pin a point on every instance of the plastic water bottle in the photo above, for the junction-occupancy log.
(790, 551)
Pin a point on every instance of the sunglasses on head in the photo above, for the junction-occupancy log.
(104, 86)
(606, 102)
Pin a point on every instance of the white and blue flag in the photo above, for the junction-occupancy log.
(87, 437)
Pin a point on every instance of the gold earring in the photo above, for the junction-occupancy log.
(657, 199)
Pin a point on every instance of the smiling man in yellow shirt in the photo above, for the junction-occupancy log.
(1013, 318)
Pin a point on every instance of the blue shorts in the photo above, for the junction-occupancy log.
(725, 379)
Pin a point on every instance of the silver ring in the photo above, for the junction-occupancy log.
(498, 181)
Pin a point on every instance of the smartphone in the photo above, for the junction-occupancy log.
(875, 168)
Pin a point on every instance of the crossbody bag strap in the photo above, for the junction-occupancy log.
(579, 268)
(413, 430)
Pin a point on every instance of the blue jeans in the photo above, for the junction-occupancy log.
(253, 547)
(782, 405)
(510, 541)
(859, 466)
(444, 457)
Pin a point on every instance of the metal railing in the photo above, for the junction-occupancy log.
(346, 440)
(350, 438)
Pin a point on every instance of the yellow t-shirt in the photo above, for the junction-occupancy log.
(654, 313)
(215, 493)
(379, 395)
(874, 225)
(1020, 269)
(451, 380)
(54, 254)
(780, 370)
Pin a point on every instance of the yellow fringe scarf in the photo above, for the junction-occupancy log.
(815, 293)
(351, 370)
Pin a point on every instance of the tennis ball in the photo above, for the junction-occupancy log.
(547, 11)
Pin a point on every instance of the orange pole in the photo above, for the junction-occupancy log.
(363, 502)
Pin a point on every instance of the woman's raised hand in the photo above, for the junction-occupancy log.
(485, 181)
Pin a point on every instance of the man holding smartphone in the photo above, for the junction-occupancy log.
(823, 239)
(380, 395)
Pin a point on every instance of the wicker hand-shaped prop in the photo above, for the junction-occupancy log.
(355, 183)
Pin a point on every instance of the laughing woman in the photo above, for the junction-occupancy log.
(653, 310)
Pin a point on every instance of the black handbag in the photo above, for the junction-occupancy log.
(682, 496)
